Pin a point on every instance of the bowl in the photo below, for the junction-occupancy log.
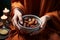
(3, 31)
(30, 29)
(4, 34)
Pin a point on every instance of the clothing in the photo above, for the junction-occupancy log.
(40, 8)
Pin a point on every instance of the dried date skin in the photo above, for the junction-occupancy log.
(32, 26)
(32, 22)
(29, 22)
(30, 19)
(24, 24)
(26, 21)
(28, 25)
(35, 22)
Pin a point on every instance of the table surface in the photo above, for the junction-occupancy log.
(44, 35)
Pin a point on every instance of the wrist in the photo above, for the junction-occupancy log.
(47, 17)
(52, 14)
(17, 11)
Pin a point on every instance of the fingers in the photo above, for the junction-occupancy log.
(20, 19)
(43, 25)
(43, 21)
(19, 14)
(14, 21)
(16, 24)
(14, 18)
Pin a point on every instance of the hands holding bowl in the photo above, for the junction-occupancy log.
(29, 23)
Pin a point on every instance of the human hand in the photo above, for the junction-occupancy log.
(43, 20)
(17, 14)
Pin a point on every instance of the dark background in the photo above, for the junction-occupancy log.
(3, 4)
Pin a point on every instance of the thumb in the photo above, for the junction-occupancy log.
(20, 18)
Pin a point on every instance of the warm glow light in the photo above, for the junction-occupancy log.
(5, 10)
(3, 17)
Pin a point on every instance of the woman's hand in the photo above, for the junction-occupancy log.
(17, 14)
(43, 19)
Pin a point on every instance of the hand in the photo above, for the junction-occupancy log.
(43, 20)
(17, 14)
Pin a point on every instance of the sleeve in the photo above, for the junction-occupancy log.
(55, 10)
(17, 5)
(54, 20)
(54, 13)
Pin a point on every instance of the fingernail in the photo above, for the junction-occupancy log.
(21, 22)
(41, 26)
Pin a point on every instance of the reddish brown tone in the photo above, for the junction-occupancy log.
(40, 8)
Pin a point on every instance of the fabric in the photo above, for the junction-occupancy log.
(40, 8)
(47, 34)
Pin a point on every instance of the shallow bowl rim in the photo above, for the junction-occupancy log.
(29, 27)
